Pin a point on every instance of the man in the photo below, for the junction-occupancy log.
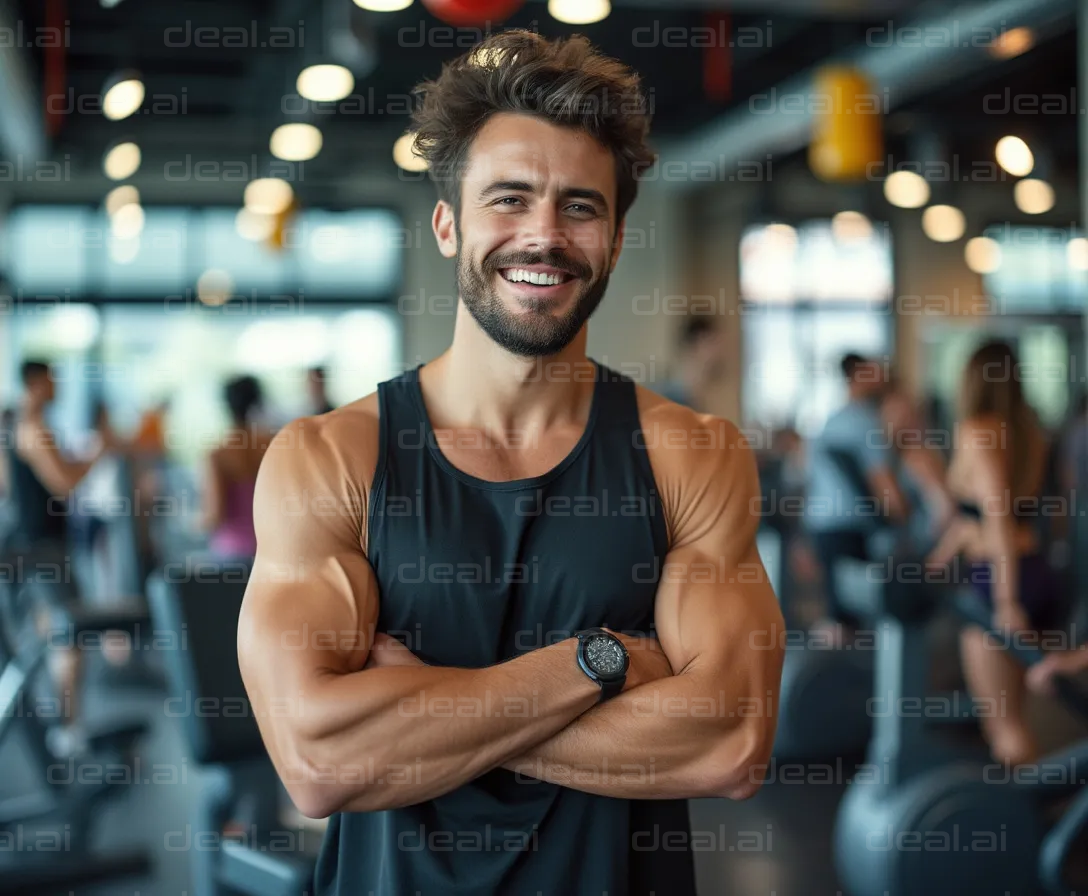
(41, 478)
(851, 486)
(316, 390)
(700, 363)
(484, 544)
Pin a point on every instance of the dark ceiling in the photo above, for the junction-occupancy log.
(218, 83)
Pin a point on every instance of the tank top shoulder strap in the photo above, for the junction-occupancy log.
(619, 435)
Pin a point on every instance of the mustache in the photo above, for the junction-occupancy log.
(558, 260)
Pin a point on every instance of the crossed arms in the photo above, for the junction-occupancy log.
(355, 722)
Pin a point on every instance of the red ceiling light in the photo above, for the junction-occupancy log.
(466, 13)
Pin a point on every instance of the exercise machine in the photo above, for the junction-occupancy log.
(237, 813)
(926, 816)
(53, 820)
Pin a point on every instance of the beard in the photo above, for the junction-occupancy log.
(538, 333)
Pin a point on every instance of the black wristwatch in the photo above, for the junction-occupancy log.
(604, 659)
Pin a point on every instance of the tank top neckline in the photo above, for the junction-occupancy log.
(512, 484)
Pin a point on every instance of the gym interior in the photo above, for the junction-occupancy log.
(213, 223)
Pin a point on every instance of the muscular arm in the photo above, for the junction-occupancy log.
(344, 737)
(705, 730)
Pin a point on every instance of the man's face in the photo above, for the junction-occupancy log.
(41, 388)
(535, 241)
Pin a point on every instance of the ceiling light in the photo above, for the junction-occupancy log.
(119, 197)
(268, 195)
(253, 225)
(122, 95)
(405, 158)
(579, 12)
(122, 161)
(297, 142)
(214, 287)
(124, 251)
(943, 223)
(1033, 196)
(383, 5)
(1014, 156)
(1012, 43)
(1076, 253)
(781, 237)
(325, 83)
(850, 226)
(906, 189)
(128, 222)
(982, 254)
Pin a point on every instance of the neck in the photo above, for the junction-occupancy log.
(477, 383)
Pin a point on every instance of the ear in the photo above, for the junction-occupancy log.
(445, 230)
(617, 245)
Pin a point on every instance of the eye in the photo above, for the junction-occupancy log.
(507, 200)
(580, 208)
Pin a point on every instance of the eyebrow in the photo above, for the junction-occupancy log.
(521, 186)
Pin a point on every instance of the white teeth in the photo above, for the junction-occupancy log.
(519, 276)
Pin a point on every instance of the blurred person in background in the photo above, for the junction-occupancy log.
(231, 472)
(699, 365)
(997, 470)
(317, 390)
(42, 477)
(921, 467)
(851, 484)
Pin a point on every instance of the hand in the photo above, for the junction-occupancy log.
(1009, 616)
(1040, 677)
(648, 660)
(387, 651)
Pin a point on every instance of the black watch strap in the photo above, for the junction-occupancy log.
(610, 689)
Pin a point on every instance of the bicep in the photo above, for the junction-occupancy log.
(312, 599)
(715, 601)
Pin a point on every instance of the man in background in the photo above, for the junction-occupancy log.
(851, 484)
(700, 363)
(316, 378)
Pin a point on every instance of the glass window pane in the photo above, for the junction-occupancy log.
(344, 254)
(149, 264)
(1035, 274)
(46, 249)
(256, 269)
(812, 263)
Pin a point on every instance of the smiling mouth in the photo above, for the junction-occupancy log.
(535, 278)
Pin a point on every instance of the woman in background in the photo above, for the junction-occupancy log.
(996, 474)
(231, 473)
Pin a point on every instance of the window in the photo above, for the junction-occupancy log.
(809, 295)
(70, 252)
(1035, 275)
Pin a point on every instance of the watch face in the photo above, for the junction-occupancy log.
(605, 655)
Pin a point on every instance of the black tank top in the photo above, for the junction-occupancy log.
(472, 573)
(39, 516)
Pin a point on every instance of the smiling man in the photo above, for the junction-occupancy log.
(504, 615)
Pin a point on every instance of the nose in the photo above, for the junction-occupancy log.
(544, 229)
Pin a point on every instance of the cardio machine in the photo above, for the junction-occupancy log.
(927, 817)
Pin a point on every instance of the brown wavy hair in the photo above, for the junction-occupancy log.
(991, 387)
(565, 82)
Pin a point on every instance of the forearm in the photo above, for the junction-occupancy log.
(677, 737)
(1005, 559)
(400, 735)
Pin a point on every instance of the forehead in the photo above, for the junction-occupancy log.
(523, 147)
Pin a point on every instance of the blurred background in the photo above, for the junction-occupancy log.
(211, 192)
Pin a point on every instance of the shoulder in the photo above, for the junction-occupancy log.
(703, 465)
(328, 457)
